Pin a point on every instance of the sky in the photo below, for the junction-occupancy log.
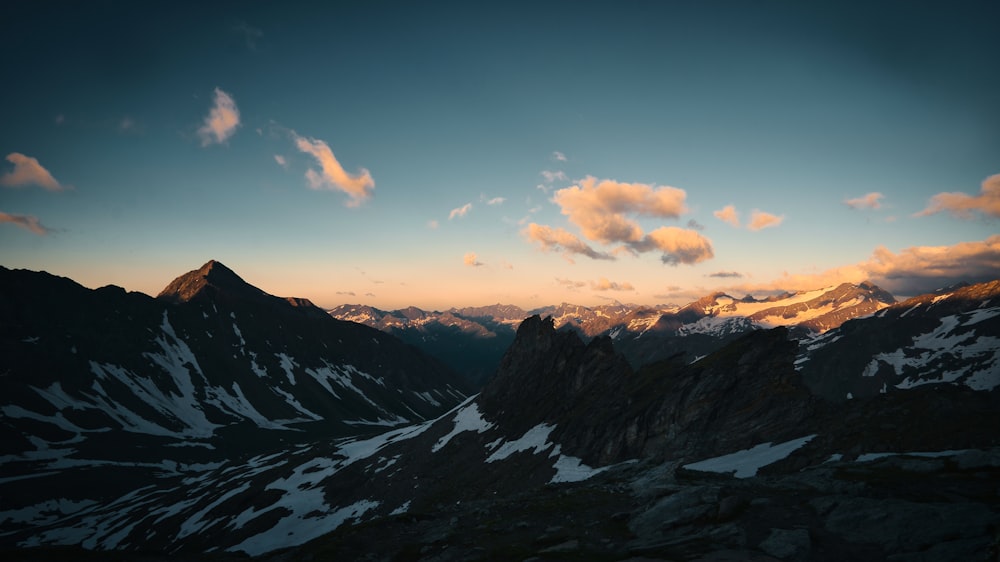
(531, 153)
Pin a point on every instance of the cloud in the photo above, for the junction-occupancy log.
(432, 224)
(558, 156)
(911, 271)
(728, 215)
(678, 245)
(506, 264)
(866, 201)
(963, 206)
(470, 259)
(332, 175)
(496, 201)
(599, 207)
(128, 125)
(760, 220)
(249, 33)
(551, 176)
(726, 274)
(281, 160)
(347, 293)
(222, 120)
(570, 284)
(559, 239)
(27, 171)
(604, 285)
(460, 211)
(695, 225)
(25, 221)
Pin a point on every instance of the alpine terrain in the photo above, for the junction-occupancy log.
(806, 437)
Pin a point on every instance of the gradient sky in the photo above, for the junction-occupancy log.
(470, 153)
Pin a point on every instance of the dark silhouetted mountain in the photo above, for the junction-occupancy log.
(570, 452)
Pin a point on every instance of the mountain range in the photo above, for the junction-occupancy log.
(874, 439)
(473, 339)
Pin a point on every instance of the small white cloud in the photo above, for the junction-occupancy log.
(281, 160)
(496, 201)
(558, 156)
(460, 211)
(552, 176)
(222, 120)
(27, 171)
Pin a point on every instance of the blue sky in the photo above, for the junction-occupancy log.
(449, 154)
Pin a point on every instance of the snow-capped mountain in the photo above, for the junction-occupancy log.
(213, 367)
(570, 452)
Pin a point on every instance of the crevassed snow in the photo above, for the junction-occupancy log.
(467, 419)
(536, 438)
(747, 462)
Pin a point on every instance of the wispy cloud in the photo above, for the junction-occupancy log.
(726, 274)
(472, 260)
(433, 224)
(552, 176)
(867, 201)
(222, 120)
(963, 205)
(570, 284)
(460, 211)
(728, 215)
(331, 174)
(558, 156)
(760, 220)
(346, 293)
(601, 209)
(27, 222)
(554, 239)
(281, 160)
(27, 171)
(493, 201)
(603, 284)
(249, 33)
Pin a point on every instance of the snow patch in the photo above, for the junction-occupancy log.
(467, 419)
(746, 463)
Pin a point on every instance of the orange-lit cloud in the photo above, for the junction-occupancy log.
(729, 215)
(678, 245)
(472, 260)
(867, 201)
(460, 211)
(912, 271)
(27, 171)
(603, 284)
(726, 274)
(332, 175)
(281, 160)
(222, 120)
(27, 222)
(963, 205)
(760, 219)
(559, 239)
(599, 207)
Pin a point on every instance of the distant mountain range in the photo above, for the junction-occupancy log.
(172, 427)
(472, 340)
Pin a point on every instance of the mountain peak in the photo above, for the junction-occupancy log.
(212, 277)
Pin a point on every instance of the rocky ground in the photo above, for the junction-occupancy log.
(899, 508)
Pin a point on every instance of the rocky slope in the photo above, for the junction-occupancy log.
(570, 453)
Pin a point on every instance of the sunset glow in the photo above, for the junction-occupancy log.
(440, 155)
